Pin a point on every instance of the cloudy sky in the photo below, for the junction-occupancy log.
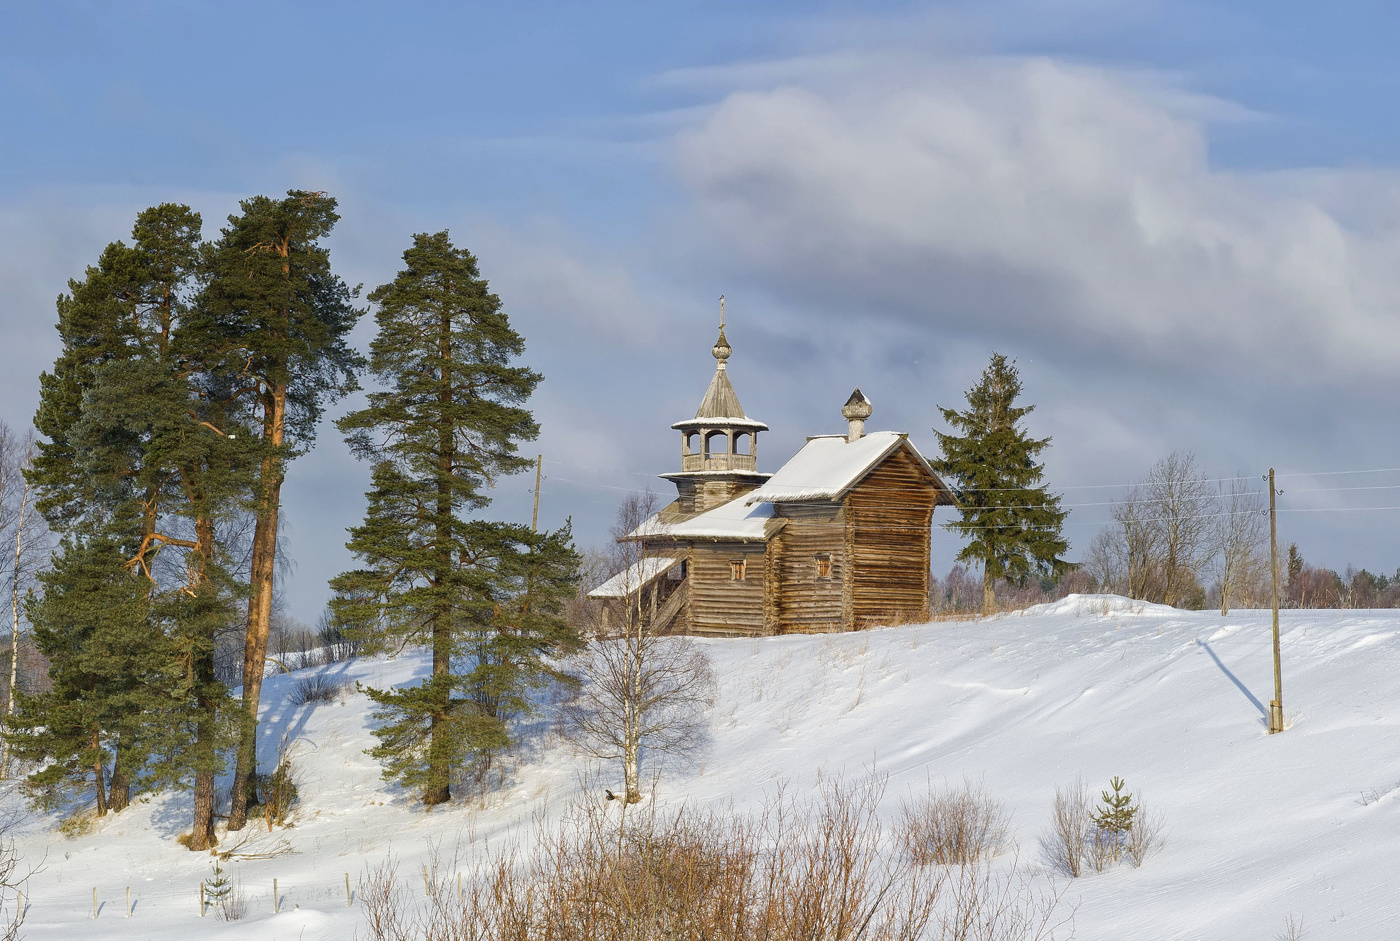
(1181, 219)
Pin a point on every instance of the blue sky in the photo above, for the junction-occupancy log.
(1181, 218)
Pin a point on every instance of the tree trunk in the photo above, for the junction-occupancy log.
(97, 774)
(260, 582)
(989, 598)
(14, 624)
(206, 724)
(437, 789)
(119, 792)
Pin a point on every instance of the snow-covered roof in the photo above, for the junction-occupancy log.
(634, 578)
(732, 520)
(829, 465)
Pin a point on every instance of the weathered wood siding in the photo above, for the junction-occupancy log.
(805, 603)
(719, 604)
(888, 518)
(697, 496)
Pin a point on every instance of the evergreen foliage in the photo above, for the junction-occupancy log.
(1012, 522)
(111, 719)
(274, 318)
(485, 597)
(142, 452)
(1115, 813)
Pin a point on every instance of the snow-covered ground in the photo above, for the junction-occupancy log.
(1259, 826)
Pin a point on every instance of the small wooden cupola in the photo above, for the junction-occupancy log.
(719, 446)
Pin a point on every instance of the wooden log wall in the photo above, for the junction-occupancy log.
(719, 604)
(805, 603)
(888, 518)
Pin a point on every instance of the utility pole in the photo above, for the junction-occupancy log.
(535, 519)
(1276, 705)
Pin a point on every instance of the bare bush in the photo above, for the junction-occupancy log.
(1146, 836)
(316, 688)
(1066, 846)
(955, 826)
(796, 871)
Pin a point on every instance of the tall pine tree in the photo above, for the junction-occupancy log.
(139, 449)
(482, 596)
(1011, 520)
(278, 319)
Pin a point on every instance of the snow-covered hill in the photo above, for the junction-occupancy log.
(1258, 826)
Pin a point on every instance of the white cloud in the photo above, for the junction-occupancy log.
(1029, 197)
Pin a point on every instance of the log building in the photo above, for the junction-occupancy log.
(837, 539)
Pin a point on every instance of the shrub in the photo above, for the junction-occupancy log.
(278, 789)
(1080, 835)
(796, 871)
(1069, 826)
(316, 688)
(954, 827)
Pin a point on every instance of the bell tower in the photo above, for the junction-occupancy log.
(719, 446)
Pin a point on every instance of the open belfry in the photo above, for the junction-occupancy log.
(837, 539)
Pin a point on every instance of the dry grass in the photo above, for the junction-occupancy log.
(1292, 929)
(955, 826)
(796, 871)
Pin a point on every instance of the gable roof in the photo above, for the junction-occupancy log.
(829, 465)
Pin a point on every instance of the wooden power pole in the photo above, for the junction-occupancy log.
(1276, 705)
(535, 519)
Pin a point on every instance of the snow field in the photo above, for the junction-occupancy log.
(1258, 826)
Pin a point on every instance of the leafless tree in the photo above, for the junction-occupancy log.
(1241, 550)
(1161, 538)
(641, 689)
(24, 529)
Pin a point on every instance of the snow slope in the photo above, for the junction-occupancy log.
(1259, 826)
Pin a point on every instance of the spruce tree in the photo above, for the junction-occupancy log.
(482, 596)
(1011, 520)
(278, 318)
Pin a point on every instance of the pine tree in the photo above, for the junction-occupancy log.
(279, 319)
(1011, 521)
(482, 596)
(109, 708)
(141, 449)
(1114, 818)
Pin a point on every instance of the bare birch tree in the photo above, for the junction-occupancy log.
(1240, 534)
(641, 689)
(26, 531)
(1162, 536)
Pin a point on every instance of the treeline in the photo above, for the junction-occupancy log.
(192, 374)
(1182, 539)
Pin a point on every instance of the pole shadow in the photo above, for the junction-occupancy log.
(1234, 679)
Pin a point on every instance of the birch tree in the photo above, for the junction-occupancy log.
(641, 691)
(20, 520)
(1240, 537)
